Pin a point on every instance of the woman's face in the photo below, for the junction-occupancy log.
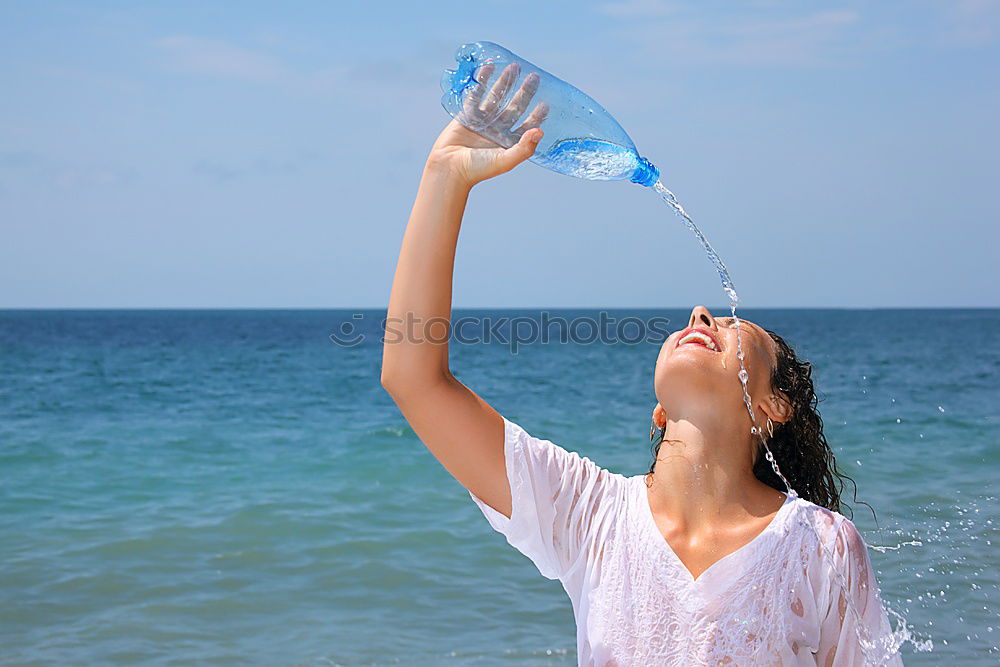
(698, 367)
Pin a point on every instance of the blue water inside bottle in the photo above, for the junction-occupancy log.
(581, 138)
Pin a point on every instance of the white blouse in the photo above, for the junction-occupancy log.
(787, 597)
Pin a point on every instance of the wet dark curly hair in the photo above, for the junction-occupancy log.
(798, 445)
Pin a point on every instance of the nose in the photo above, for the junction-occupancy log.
(700, 317)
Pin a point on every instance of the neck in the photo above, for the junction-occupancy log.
(704, 475)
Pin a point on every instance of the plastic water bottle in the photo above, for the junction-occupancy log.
(511, 96)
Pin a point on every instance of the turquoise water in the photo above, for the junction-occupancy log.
(231, 487)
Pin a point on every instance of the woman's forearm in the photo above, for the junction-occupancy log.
(419, 313)
(418, 321)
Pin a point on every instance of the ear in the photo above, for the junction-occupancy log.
(777, 408)
(659, 416)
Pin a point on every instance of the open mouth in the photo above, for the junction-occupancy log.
(702, 337)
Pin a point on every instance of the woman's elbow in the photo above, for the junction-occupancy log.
(402, 380)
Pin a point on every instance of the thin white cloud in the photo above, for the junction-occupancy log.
(88, 177)
(813, 39)
(976, 7)
(813, 22)
(196, 55)
(224, 60)
(18, 159)
(972, 23)
(638, 8)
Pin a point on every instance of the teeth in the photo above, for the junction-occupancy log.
(700, 337)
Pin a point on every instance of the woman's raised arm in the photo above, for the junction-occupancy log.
(462, 431)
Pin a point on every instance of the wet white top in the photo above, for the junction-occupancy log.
(801, 593)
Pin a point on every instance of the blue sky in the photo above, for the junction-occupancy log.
(252, 154)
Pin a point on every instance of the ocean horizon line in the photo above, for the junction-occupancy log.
(333, 309)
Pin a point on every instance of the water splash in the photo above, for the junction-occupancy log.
(885, 548)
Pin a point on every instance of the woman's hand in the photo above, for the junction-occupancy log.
(472, 157)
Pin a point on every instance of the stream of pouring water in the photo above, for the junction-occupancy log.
(875, 650)
(734, 299)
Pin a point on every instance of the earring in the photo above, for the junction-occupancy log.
(770, 428)
(656, 433)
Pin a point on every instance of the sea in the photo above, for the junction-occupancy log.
(235, 487)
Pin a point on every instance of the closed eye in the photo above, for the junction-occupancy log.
(730, 323)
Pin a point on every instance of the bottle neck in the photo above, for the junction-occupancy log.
(646, 174)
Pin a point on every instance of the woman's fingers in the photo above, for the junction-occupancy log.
(534, 119)
(519, 102)
(471, 103)
(500, 89)
(480, 108)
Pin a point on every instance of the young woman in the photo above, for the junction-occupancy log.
(704, 559)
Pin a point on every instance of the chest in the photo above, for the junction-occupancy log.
(699, 553)
(644, 602)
